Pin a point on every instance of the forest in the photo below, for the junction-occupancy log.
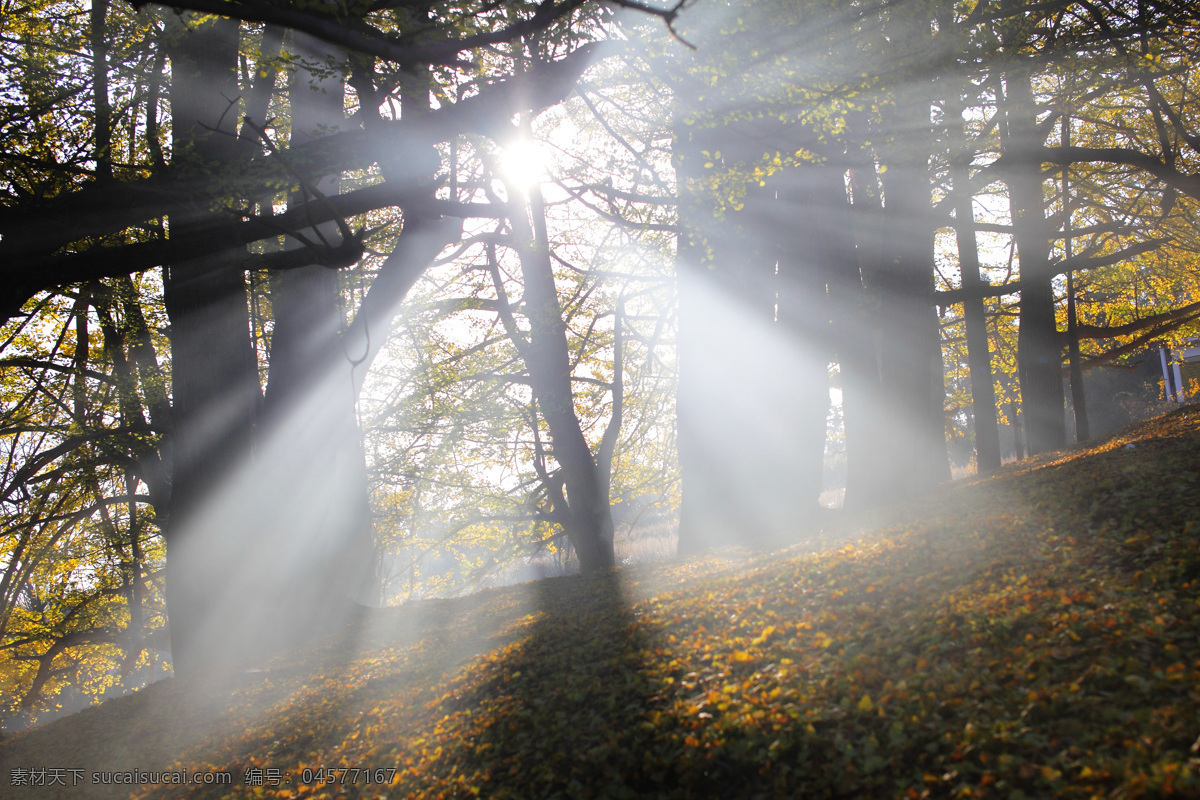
(316, 306)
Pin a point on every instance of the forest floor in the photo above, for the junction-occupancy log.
(1032, 634)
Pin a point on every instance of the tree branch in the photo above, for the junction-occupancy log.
(1171, 319)
(362, 38)
(32, 234)
(1065, 156)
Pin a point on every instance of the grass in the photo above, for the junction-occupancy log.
(1031, 634)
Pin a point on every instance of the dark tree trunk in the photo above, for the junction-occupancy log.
(979, 360)
(1018, 428)
(753, 350)
(214, 371)
(914, 453)
(979, 357)
(815, 245)
(855, 294)
(1083, 428)
(270, 527)
(314, 473)
(769, 393)
(1039, 353)
(588, 522)
(707, 503)
(723, 307)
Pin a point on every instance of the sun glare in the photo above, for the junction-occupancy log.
(522, 163)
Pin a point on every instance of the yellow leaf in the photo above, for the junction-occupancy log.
(865, 704)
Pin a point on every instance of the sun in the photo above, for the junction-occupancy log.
(522, 163)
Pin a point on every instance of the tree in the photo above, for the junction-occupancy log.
(81, 601)
(458, 434)
(798, 116)
(201, 200)
(81, 585)
(1054, 49)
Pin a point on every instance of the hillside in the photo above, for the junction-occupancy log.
(1034, 634)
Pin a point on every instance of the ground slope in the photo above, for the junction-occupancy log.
(1034, 634)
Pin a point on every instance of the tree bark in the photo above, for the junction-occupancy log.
(855, 294)
(707, 504)
(754, 348)
(814, 243)
(102, 122)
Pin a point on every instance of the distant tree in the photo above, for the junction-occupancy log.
(795, 144)
(457, 430)
(1063, 75)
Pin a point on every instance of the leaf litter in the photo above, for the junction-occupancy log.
(1031, 634)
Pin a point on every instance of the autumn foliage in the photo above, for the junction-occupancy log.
(1029, 635)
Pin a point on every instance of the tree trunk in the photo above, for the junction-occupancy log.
(313, 468)
(979, 360)
(914, 453)
(855, 294)
(1083, 429)
(814, 244)
(707, 501)
(589, 524)
(214, 371)
(1039, 354)
(740, 390)
(753, 348)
